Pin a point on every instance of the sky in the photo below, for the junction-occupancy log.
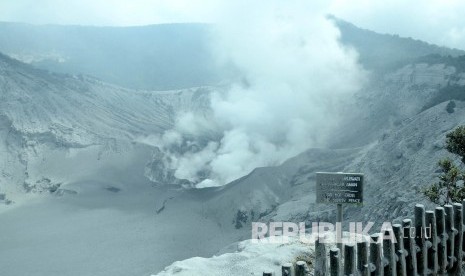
(435, 21)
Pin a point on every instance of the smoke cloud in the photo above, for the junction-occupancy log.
(295, 78)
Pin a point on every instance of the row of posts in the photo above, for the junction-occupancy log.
(412, 251)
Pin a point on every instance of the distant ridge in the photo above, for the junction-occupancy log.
(153, 57)
(176, 56)
(384, 52)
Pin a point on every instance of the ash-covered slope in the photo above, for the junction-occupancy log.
(51, 123)
(46, 104)
(74, 185)
(392, 97)
(396, 167)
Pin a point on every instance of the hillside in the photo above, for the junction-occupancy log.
(385, 52)
(48, 120)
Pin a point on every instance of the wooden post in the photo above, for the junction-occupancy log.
(442, 240)
(388, 254)
(458, 225)
(432, 242)
(450, 234)
(463, 229)
(376, 259)
(339, 213)
(267, 273)
(320, 257)
(420, 227)
(286, 269)
(349, 260)
(339, 218)
(334, 262)
(410, 247)
(362, 258)
(400, 251)
(301, 268)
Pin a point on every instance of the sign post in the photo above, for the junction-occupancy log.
(339, 213)
(339, 188)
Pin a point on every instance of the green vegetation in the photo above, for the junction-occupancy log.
(450, 187)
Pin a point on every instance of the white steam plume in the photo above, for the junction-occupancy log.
(296, 77)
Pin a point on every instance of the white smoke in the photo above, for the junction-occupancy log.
(295, 78)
